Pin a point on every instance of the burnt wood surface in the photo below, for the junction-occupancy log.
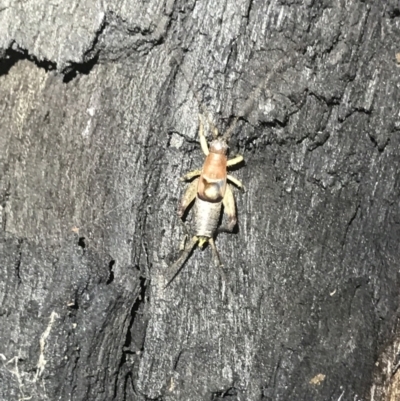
(97, 124)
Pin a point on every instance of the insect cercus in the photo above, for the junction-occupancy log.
(210, 189)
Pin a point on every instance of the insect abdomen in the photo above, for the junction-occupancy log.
(206, 217)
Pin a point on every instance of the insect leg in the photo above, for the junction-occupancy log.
(190, 175)
(174, 269)
(229, 209)
(188, 198)
(185, 237)
(236, 160)
(235, 181)
(203, 140)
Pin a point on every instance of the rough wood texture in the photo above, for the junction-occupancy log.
(97, 124)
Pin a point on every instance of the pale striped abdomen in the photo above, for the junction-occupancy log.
(206, 217)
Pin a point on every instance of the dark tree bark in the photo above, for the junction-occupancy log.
(98, 123)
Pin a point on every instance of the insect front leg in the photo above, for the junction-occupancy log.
(230, 209)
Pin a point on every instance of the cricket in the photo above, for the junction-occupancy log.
(210, 187)
(210, 190)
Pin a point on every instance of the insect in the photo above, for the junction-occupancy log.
(210, 190)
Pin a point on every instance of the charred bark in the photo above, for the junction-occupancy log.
(98, 122)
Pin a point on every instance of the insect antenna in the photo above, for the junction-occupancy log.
(278, 66)
(76, 229)
(203, 108)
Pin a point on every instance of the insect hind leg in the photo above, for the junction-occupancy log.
(229, 210)
(188, 197)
